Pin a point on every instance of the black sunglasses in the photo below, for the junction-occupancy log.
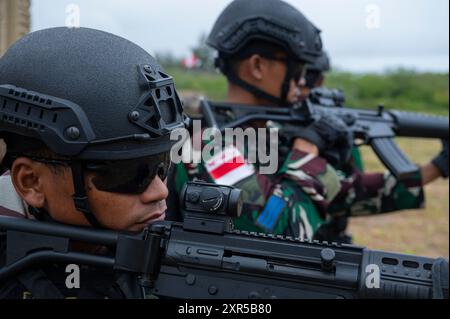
(130, 176)
(297, 72)
(125, 176)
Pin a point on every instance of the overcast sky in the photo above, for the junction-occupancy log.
(361, 35)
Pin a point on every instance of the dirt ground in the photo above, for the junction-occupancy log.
(423, 232)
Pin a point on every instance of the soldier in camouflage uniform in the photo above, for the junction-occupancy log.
(110, 179)
(315, 78)
(266, 71)
(256, 55)
(367, 193)
(334, 228)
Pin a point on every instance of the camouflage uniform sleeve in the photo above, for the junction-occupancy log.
(357, 159)
(378, 193)
(293, 202)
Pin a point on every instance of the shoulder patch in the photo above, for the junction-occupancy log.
(229, 167)
(271, 213)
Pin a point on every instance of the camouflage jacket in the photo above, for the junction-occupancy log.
(365, 193)
(309, 191)
(291, 202)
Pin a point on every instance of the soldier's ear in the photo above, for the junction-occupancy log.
(256, 67)
(26, 176)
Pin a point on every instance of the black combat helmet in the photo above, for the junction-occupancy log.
(272, 21)
(87, 95)
(321, 63)
(316, 69)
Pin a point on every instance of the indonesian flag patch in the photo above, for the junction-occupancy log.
(229, 167)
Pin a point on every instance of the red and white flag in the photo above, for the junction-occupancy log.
(191, 62)
(229, 167)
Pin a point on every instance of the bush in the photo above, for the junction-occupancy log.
(399, 89)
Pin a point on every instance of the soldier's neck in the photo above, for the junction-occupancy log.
(237, 95)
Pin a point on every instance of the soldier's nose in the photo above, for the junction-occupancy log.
(156, 191)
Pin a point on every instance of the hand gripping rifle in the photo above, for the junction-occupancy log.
(204, 257)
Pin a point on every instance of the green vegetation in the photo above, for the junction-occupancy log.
(211, 84)
(400, 89)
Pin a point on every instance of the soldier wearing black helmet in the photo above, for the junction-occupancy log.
(263, 47)
(86, 117)
(365, 193)
(315, 73)
(271, 29)
(334, 229)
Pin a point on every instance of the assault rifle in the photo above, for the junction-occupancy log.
(204, 257)
(376, 128)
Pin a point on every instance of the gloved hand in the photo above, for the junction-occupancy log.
(441, 160)
(329, 133)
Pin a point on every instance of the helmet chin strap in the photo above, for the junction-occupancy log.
(40, 214)
(286, 86)
(80, 198)
(255, 91)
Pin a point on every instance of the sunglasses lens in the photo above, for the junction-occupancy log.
(311, 79)
(130, 176)
(299, 73)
